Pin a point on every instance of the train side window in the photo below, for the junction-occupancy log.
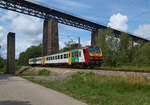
(64, 56)
(84, 51)
(67, 55)
(79, 53)
(61, 56)
(72, 54)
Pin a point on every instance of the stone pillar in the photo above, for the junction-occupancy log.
(94, 36)
(50, 37)
(11, 53)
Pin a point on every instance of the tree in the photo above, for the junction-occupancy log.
(109, 44)
(124, 52)
(2, 64)
(70, 45)
(137, 50)
(31, 52)
(143, 58)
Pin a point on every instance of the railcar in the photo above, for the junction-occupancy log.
(91, 56)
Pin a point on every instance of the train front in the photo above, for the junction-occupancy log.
(95, 56)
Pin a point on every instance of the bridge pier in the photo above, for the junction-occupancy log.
(11, 53)
(50, 37)
(94, 35)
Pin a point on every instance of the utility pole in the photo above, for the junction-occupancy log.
(79, 44)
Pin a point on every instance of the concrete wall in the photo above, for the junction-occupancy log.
(11, 53)
(50, 37)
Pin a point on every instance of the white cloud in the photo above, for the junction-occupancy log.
(143, 31)
(61, 45)
(9, 15)
(28, 31)
(29, 28)
(1, 29)
(86, 43)
(2, 42)
(118, 21)
(27, 25)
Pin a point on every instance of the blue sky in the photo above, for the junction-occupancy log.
(131, 16)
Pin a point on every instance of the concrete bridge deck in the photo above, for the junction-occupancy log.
(17, 91)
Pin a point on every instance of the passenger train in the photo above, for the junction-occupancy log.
(88, 55)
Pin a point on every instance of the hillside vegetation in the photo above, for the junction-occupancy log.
(121, 51)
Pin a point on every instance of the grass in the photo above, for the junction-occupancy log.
(42, 72)
(130, 68)
(103, 90)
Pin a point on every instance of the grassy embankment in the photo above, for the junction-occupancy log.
(103, 90)
(126, 68)
(42, 72)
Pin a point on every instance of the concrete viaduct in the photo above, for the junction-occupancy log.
(51, 19)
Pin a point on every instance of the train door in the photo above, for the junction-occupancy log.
(69, 58)
(43, 60)
(75, 56)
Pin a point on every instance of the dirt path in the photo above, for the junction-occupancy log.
(100, 72)
(17, 91)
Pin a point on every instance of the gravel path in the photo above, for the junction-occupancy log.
(17, 91)
(100, 72)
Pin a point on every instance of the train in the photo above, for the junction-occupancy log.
(87, 56)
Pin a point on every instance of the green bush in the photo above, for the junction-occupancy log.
(2, 64)
(44, 72)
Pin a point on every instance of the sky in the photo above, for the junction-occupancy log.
(132, 16)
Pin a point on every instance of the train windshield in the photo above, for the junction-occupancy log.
(97, 50)
(91, 50)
